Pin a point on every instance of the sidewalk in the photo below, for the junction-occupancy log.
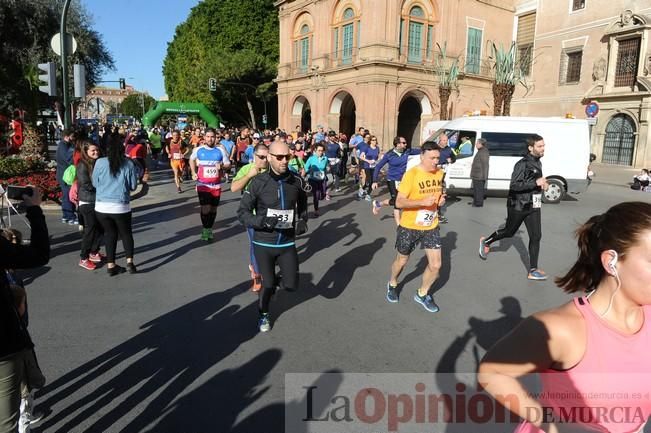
(617, 175)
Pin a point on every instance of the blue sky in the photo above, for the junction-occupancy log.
(136, 32)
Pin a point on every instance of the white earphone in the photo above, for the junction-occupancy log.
(613, 271)
(613, 262)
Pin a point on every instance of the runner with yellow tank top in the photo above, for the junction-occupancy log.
(420, 195)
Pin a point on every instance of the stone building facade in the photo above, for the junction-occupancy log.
(372, 63)
(590, 51)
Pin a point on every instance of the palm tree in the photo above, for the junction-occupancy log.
(508, 73)
(448, 75)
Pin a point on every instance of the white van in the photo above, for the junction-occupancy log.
(565, 164)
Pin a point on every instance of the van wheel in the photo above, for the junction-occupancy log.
(555, 192)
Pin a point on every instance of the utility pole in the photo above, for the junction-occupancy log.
(64, 65)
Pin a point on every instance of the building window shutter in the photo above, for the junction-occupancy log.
(473, 55)
(305, 52)
(430, 38)
(402, 25)
(524, 41)
(335, 37)
(358, 34)
(347, 54)
(414, 44)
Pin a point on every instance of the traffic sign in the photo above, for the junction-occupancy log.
(592, 109)
(264, 119)
(71, 43)
(212, 84)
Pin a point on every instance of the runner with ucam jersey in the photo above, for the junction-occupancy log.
(206, 163)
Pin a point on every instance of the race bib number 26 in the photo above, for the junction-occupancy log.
(425, 217)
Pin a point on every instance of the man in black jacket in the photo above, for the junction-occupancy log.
(15, 341)
(275, 206)
(523, 204)
(479, 173)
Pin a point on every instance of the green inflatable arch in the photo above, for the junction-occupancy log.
(150, 118)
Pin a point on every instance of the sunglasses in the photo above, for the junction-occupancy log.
(281, 157)
(403, 142)
(262, 157)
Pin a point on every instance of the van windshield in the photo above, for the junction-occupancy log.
(462, 143)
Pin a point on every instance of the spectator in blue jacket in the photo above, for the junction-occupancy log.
(65, 151)
(114, 177)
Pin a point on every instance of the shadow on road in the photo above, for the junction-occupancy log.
(160, 364)
(327, 234)
(486, 334)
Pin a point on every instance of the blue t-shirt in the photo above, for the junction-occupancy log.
(332, 149)
(371, 153)
(248, 154)
(228, 144)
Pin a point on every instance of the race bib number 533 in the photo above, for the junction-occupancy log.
(285, 217)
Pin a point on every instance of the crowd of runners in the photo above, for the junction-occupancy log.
(277, 172)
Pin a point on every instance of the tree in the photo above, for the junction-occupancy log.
(448, 74)
(233, 41)
(26, 28)
(508, 73)
(134, 104)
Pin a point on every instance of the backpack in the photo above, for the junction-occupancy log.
(70, 175)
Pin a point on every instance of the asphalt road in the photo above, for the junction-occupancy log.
(175, 348)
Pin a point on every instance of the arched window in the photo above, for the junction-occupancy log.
(345, 37)
(420, 35)
(302, 53)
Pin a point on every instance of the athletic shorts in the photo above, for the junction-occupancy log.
(155, 150)
(407, 239)
(207, 198)
(177, 164)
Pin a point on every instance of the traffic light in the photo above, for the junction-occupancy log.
(212, 84)
(123, 84)
(79, 73)
(49, 77)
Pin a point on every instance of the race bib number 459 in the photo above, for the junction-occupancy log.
(209, 172)
(425, 217)
(285, 217)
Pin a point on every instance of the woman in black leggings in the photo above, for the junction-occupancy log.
(114, 177)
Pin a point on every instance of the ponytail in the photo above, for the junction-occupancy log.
(619, 229)
(587, 271)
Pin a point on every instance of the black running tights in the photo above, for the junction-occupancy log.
(267, 258)
(514, 219)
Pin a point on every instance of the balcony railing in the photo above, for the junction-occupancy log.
(342, 58)
(424, 59)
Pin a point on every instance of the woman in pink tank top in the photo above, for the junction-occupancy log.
(593, 355)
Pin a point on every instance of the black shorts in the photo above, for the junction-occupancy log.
(406, 240)
(155, 150)
(208, 199)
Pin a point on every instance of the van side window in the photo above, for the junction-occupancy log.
(506, 143)
(465, 144)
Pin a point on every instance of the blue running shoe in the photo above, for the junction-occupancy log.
(427, 302)
(537, 275)
(392, 294)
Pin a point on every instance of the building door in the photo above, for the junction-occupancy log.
(409, 121)
(347, 116)
(306, 117)
(619, 142)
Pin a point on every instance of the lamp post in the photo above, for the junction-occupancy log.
(64, 64)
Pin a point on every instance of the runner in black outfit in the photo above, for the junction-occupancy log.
(275, 206)
(523, 205)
